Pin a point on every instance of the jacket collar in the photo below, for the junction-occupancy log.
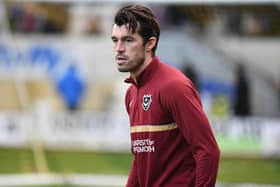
(146, 74)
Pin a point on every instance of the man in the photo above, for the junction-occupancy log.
(171, 139)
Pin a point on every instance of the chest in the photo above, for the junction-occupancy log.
(146, 107)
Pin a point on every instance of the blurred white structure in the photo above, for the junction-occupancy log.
(213, 55)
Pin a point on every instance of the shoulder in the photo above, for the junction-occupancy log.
(172, 74)
(177, 86)
(174, 80)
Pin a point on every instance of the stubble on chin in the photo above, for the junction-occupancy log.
(132, 67)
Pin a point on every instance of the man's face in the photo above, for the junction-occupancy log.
(129, 49)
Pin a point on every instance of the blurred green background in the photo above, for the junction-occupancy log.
(232, 170)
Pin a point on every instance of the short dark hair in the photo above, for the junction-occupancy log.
(134, 15)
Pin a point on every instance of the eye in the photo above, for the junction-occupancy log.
(114, 40)
(129, 40)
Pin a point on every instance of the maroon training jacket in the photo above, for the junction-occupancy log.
(171, 138)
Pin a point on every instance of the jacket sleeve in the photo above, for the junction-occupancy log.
(183, 102)
(132, 178)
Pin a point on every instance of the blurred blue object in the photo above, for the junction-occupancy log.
(217, 87)
(71, 87)
(4, 55)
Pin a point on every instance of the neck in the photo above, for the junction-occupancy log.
(147, 61)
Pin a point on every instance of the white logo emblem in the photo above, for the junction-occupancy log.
(147, 100)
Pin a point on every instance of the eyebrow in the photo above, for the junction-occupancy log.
(123, 37)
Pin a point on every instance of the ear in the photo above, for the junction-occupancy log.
(151, 44)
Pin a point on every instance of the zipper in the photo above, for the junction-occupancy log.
(136, 107)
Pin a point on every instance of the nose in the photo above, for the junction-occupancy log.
(119, 46)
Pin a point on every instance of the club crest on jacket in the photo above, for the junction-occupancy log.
(147, 100)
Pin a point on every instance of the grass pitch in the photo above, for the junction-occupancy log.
(231, 169)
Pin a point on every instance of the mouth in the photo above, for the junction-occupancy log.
(121, 59)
